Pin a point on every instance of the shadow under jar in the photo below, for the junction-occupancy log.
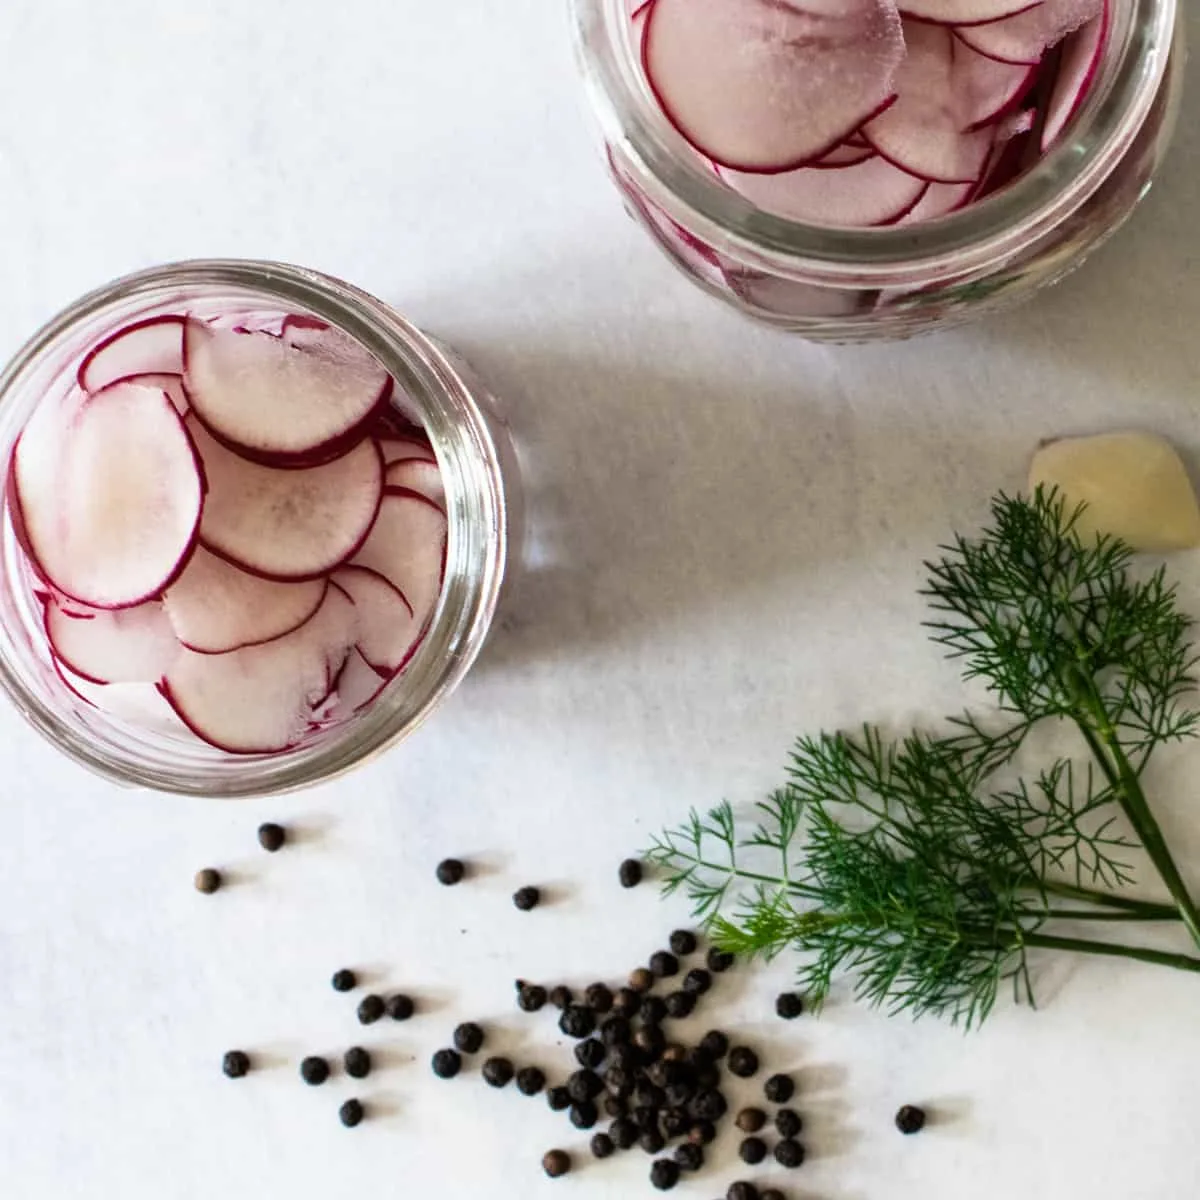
(431, 389)
(841, 284)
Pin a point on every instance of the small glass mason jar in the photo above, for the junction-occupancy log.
(851, 285)
(478, 470)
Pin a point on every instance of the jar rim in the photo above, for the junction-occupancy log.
(1059, 183)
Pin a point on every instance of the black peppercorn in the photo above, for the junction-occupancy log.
(613, 1106)
(630, 873)
(344, 980)
(602, 1146)
(207, 881)
(271, 836)
(683, 942)
(664, 1174)
(351, 1113)
(641, 979)
(650, 1041)
(663, 1073)
(675, 1053)
(450, 871)
(527, 898)
(590, 1053)
(357, 1062)
(584, 1114)
(742, 1191)
(779, 1089)
(645, 1116)
(910, 1119)
(398, 1007)
(789, 1006)
(663, 965)
(560, 997)
(689, 1157)
(707, 1077)
(599, 998)
(708, 1105)
(752, 1150)
(702, 1133)
(675, 1123)
(235, 1064)
(750, 1120)
(715, 1044)
(651, 1141)
(468, 1038)
(556, 1163)
(788, 1123)
(532, 998)
(678, 1094)
(584, 1085)
(624, 1133)
(680, 1005)
(370, 1009)
(577, 1021)
(558, 1098)
(619, 1081)
(615, 1031)
(697, 981)
(789, 1153)
(530, 1081)
(314, 1071)
(626, 1002)
(743, 1062)
(652, 1010)
(447, 1064)
(498, 1072)
(718, 961)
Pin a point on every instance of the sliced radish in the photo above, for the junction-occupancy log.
(259, 700)
(848, 154)
(106, 493)
(401, 449)
(407, 547)
(873, 192)
(938, 200)
(357, 685)
(172, 385)
(277, 402)
(964, 12)
(922, 133)
(1081, 58)
(130, 645)
(417, 475)
(215, 607)
(387, 627)
(985, 89)
(287, 524)
(1024, 38)
(140, 704)
(768, 85)
(153, 346)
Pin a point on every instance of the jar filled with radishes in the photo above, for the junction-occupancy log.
(255, 527)
(862, 169)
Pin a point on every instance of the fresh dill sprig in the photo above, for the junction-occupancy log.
(917, 866)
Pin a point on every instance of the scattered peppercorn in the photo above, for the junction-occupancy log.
(702, 1133)
(718, 961)
(357, 1062)
(651, 1141)
(584, 1114)
(625, 1002)
(527, 898)
(344, 980)
(619, 1081)
(271, 836)
(370, 1009)
(683, 942)
(602, 1146)
(599, 998)
(789, 1006)
(661, 1073)
(630, 873)
(752, 1151)
(647, 1095)
(678, 1094)
(584, 1085)
(450, 871)
(613, 1106)
(235, 1064)
(708, 1105)
(675, 1123)
(314, 1070)
(468, 1038)
(715, 1044)
(560, 997)
(558, 1098)
(207, 881)
(556, 1163)
(398, 1007)
(641, 979)
(650, 1041)
(351, 1113)
(680, 1005)
(743, 1062)
(664, 1174)
(697, 981)
(590, 1054)
(910, 1119)
(530, 1080)
(689, 1157)
(577, 1021)
(750, 1120)
(663, 965)
(742, 1191)
(623, 1056)
(498, 1072)
(624, 1133)
(789, 1153)
(532, 998)
(788, 1123)
(779, 1089)
(447, 1064)
(615, 1031)
(653, 1010)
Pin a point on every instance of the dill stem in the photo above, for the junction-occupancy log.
(1161, 958)
(1149, 910)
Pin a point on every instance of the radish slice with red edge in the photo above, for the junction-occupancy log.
(276, 402)
(1026, 37)
(845, 155)
(215, 607)
(1081, 58)
(106, 493)
(407, 546)
(417, 476)
(287, 524)
(140, 704)
(402, 449)
(153, 346)
(987, 91)
(357, 685)
(387, 627)
(768, 85)
(965, 12)
(260, 700)
(939, 200)
(129, 645)
(172, 385)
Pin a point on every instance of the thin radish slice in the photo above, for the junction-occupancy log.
(401, 449)
(287, 524)
(106, 493)
(215, 607)
(922, 133)
(259, 700)
(357, 685)
(1081, 58)
(131, 645)
(172, 385)
(965, 12)
(768, 85)
(387, 627)
(276, 402)
(873, 192)
(153, 346)
(417, 476)
(845, 155)
(140, 704)
(986, 91)
(938, 200)
(1024, 38)
(407, 547)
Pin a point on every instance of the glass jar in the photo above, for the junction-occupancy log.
(475, 457)
(849, 285)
